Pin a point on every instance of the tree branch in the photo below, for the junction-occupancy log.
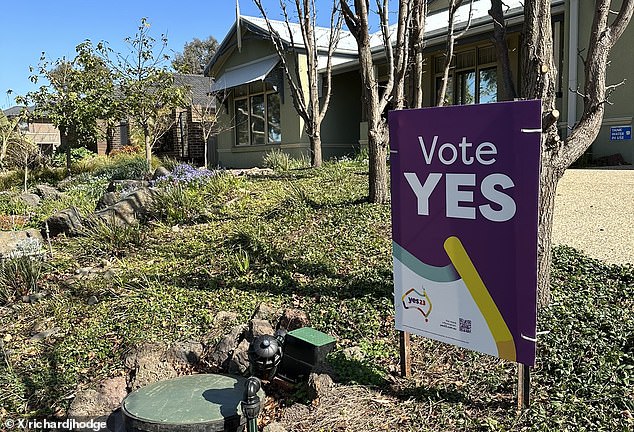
(622, 20)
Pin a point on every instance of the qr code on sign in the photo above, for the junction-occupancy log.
(465, 325)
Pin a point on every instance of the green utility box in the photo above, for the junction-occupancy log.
(304, 348)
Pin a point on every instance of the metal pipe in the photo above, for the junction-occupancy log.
(251, 403)
(573, 51)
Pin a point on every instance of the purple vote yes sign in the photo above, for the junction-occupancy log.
(465, 184)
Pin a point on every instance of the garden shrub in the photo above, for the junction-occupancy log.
(109, 238)
(279, 160)
(20, 273)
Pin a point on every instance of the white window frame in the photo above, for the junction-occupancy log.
(249, 94)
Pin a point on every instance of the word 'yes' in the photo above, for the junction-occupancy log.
(455, 194)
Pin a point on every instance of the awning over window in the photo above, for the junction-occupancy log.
(256, 71)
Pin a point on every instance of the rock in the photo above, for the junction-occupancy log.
(293, 319)
(44, 334)
(129, 210)
(353, 353)
(319, 385)
(186, 353)
(267, 312)
(149, 363)
(258, 327)
(223, 318)
(99, 402)
(33, 298)
(48, 192)
(30, 199)
(160, 172)
(68, 222)
(239, 362)
(274, 427)
(20, 242)
(92, 300)
(225, 348)
(108, 199)
(127, 185)
(252, 172)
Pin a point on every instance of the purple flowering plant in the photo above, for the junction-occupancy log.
(185, 175)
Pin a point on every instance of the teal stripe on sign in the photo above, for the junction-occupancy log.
(433, 273)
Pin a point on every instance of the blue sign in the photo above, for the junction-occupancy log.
(620, 133)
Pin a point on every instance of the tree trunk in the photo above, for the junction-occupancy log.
(3, 151)
(419, 13)
(377, 156)
(26, 171)
(377, 129)
(148, 149)
(315, 149)
(539, 83)
(508, 92)
(64, 142)
(548, 188)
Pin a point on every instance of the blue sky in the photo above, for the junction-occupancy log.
(57, 26)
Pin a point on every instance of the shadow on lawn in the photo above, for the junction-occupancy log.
(48, 389)
(318, 277)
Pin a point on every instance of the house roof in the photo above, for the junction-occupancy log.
(199, 85)
(346, 53)
(347, 43)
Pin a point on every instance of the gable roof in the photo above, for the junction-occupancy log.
(347, 43)
(346, 52)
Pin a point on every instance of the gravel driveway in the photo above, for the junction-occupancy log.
(594, 212)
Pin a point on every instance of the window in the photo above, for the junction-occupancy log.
(257, 115)
(473, 77)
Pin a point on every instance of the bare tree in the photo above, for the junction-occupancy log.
(401, 59)
(311, 108)
(539, 82)
(416, 33)
(204, 112)
(451, 42)
(502, 50)
(376, 101)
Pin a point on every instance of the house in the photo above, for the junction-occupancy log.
(38, 129)
(185, 139)
(257, 99)
(259, 109)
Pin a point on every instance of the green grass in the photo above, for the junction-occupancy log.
(309, 239)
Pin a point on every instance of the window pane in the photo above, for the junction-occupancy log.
(488, 85)
(273, 117)
(465, 90)
(242, 122)
(257, 120)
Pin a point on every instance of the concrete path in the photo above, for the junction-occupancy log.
(594, 212)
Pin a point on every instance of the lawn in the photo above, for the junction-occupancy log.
(305, 238)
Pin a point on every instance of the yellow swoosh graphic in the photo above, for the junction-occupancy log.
(467, 271)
